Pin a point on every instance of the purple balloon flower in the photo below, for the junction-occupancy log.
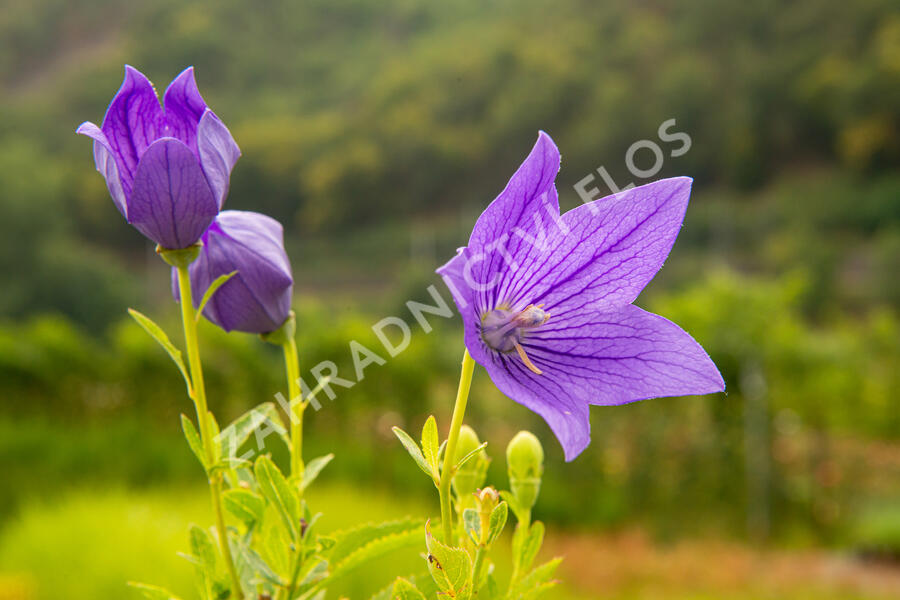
(257, 299)
(166, 169)
(546, 298)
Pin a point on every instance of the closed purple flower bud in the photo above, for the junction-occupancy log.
(167, 168)
(257, 299)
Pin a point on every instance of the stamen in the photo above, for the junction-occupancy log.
(527, 360)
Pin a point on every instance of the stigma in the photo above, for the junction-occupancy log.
(503, 330)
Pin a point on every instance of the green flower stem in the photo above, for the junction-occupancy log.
(292, 366)
(189, 321)
(476, 570)
(459, 412)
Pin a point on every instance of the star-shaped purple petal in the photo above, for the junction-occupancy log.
(546, 299)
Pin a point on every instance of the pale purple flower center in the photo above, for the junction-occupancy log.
(503, 329)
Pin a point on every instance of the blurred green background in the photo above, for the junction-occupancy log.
(376, 131)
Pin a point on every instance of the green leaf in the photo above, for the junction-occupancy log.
(245, 505)
(431, 446)
(203, 548)
(535, 583)
(193, 440)
(451, 568)
(313, 468)
(216, 436)
(413, 450)
(471, 455)
(239, 431)
(404, 590)
(153, 592)
(276, 489)
(348, 541)
(526, 544)
(162, 339)
(212, 289)
(497, 522)
(472, 524)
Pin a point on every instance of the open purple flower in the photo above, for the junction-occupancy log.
(257, 299)
(167, 169)
(546, 298)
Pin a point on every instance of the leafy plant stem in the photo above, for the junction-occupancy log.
(292, 366)
(189, 321)
(459, 412)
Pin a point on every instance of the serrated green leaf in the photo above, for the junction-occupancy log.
(193, 440)
(212, 289)
(153, 592)
(313, 468)
(431, 446)
(472, 524)
(405, 590)
(276, 490)
(245, 505)
(162, 339)
(413, 450)
(348, 541)
(471, 455)
(239, 431)
(497, 522)
(451, 568)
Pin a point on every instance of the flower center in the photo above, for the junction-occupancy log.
(503, 330)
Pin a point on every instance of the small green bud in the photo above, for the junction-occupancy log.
(471, 475)
(525, 464)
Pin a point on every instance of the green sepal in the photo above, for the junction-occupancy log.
(162, 339)
(179, 257)
(313, 468)
(212, 289)
(414, 451)
(153, 592)
(451, 568)
(193, 440)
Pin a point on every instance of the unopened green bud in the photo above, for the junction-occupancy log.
(525, 463)
(472, 474)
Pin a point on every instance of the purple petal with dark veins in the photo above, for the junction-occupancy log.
(603, 253)
(609, 358)
(106, 165)
(258, 298)
(133, 121)
(218, 153)
(171, 203)
(184, 106)
(524, 211)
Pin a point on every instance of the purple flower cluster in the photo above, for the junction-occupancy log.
(168, 170)
(546, 298)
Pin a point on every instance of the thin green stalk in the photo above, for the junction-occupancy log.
(292, 366)
(459, 412)
(476, 570)
(189, 321)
